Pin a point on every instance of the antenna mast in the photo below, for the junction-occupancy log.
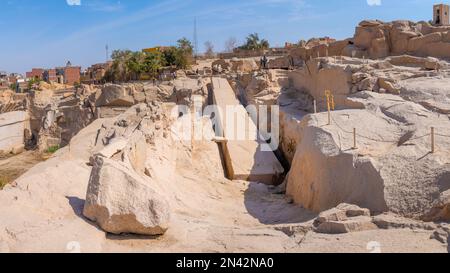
(107, 53)
(195, 38)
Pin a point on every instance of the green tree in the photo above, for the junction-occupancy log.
(253, 42)
(176, 57)
(153, 63)
(119, 70)
(128, 65)
(186, 46)
(13, 86)
(135, 65)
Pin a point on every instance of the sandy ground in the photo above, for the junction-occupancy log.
(12, 167)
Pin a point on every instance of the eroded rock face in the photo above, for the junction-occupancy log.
(184, 90)
(121, 201)
(376, 39)
(56, 117)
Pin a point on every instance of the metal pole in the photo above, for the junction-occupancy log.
(315, 107)
(329, 114)
(354, 139)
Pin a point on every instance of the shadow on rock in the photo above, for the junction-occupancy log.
(273, 209)
(77, 205)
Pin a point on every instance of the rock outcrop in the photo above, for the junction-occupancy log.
(235, 65)
(376, 39)
(11, 101)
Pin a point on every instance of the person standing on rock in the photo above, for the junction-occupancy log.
(264, 61)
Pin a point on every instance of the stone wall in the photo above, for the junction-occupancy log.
(12, 131)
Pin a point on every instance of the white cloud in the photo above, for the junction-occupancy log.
(73, 2)
(374, 2)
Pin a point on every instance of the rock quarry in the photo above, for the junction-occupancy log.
(363, 154)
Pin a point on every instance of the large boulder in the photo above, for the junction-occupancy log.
(121, 201)
(284, 62)
(115, 95)
(243, 65)
(345, 218)
(391, 168)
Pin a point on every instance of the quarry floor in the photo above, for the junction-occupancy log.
(43, 213)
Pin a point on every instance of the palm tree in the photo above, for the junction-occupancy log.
(153, 63)
(253, 42)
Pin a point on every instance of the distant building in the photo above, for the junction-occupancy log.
(36, 73)
(95, 73)
(65, 75)
(289, 45)
(72, 74)
(441, 13)
(4, 84)
(7, 80)
(50, 75)
(155, 49)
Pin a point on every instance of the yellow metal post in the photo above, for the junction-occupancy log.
(330, 104)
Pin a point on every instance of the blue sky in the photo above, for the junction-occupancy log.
(47, 33)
